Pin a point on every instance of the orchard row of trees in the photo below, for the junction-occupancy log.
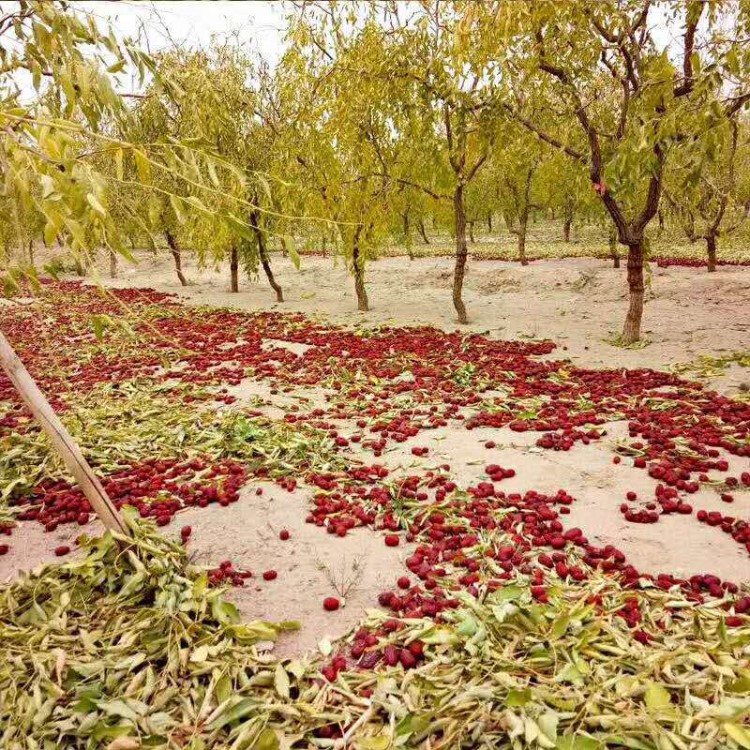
(378, 118)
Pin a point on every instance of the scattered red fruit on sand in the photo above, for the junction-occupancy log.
(331, 604)
(270, 575)
(284, 535)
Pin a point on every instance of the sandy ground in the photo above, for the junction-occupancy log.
(576, 302)
(573, 302)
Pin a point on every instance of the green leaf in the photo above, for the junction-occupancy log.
(231, 713)
(413, 724)
(508, 593)
(100, 323)
(268, 740)
(577, 742)
(291, 248)
(559, 627)
(200, 585)
(119, 708)
(740, 685)
(50, 233)
(225, 612)
(517, 698)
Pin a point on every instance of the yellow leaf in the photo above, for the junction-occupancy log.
(657, 697)
(93, 201)
(739, 734)
(119, 170)
(373, 743)
(199, 655)
(124, 743)
(281, 681)
(143, 166)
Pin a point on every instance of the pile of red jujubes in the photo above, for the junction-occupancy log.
(158, 488)
(226, 574)
(696, 262)
(393, 383)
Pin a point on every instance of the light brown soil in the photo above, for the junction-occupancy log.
(576, 302)
(573, 302)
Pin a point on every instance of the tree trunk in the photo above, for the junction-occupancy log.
(423, 232)
(31, 252)
(489, 222)
(711, 246)
(234, 270)
(407, 234)
(284, 248)
(359, 275)
(631, 331)
(174, 248)
(112, 264)
(613, 247)
(471, 233)
(522, 224)
(461, 253)
(263, 254)
(566, 228)
(266, 263)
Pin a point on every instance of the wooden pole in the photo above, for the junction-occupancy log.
(60, 438)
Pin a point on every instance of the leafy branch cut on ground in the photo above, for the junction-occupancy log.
(128, 647)
(161, 425)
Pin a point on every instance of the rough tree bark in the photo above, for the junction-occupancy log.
(471, 233)
(407, 234)
(567, 224)
(631, 331)
(112, 264)
(613, 247)
(711, 242)
(489, 222)
(174, 248)
(461, 253)
(423, 232)
(234, 270)
(263, 254)
(363, 303)
(523, 206)
(522, 226)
